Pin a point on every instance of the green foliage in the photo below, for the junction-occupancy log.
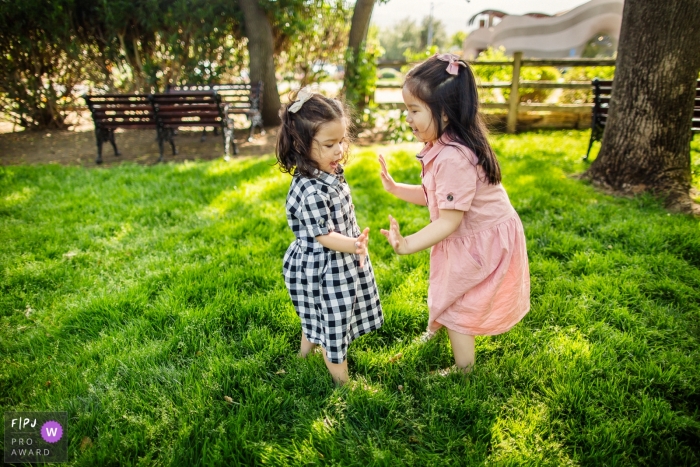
(412, 57)
(361, 80)
(152, 44)
(504, 73)
(408, 34)
(492, 73)
(396, 129)
(457, 40)
(149, 295)
(309, 35)
(536, 74)
(576, 96)
(401, 36)
(389, 74)
(42, 60)
(48, 51)
(439, 33)
(600, 46)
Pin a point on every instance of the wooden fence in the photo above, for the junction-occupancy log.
(521, 115)
(572, 114)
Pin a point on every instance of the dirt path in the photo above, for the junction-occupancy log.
(138, 146)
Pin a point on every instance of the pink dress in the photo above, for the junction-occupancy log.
(479, 275)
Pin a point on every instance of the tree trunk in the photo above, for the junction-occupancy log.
(646, 145)
(360, 24)
(262, 64)
(358, 33)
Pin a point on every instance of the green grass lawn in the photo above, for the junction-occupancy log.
(138, 299)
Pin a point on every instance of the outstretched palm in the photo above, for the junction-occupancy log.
(393, 235)
(387, 181)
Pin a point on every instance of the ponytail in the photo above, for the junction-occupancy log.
(455, 96)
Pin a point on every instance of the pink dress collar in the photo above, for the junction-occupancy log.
(430, 151)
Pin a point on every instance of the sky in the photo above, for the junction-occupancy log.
(455, 13)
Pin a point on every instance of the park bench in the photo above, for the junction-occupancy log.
(162, 112)
(602, 90)
(112, 111)
(242, 99)
(191, 109)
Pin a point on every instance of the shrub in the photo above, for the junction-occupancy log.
(490, 73)
(581, 96)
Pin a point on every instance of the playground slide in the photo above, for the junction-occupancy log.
(564, 35)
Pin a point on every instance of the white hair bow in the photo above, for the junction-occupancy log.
(303, 95)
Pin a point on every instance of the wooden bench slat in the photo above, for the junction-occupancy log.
(128, 125)
(185, 106)
(191, 118)
(110, 112)
(190, 108)
(145, 108)
(243, 99)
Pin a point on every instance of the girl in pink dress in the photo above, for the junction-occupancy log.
(479, 274)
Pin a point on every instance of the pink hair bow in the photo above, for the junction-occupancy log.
(453, 60)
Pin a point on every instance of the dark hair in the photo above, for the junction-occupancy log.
(298, 129)
(454, 96)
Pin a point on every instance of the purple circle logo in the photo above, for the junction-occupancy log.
(51, 431)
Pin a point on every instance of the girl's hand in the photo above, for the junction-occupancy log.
(397, 242)
(388, 182)
(362, 245)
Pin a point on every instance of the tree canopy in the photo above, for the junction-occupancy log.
(410, 34)
(51, 52)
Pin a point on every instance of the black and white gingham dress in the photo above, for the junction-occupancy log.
(335, 299)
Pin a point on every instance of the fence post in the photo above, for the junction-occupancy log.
(514, 93)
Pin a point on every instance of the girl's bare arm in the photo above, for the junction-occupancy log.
(428, 236)
(410, 193)
(344, 244)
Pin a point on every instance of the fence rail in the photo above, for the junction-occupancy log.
(513, 105)
(558, 62)
(569, 112)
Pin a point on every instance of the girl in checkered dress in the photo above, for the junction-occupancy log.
(327, 269)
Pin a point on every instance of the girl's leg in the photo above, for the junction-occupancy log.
(339, 371)
(306, 346)
(462, 349)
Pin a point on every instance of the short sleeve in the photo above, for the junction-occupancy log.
(315, 215)
(455, 179)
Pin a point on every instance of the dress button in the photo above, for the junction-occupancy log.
(449, 197)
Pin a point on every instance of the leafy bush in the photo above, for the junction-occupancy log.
(412, 57)
(361, 80)
(491, 73)
(42, 60)
(389, 73)
(580, 96)
(397, 129)
(409, 34)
